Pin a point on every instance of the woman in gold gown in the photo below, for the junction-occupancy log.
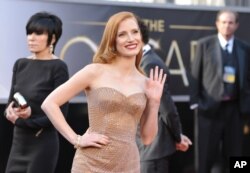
(119, 97)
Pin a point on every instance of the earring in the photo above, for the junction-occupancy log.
(51, 49)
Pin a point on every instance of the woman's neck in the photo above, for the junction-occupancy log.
(43, 56)
(125, 66)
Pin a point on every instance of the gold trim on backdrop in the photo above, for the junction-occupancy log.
(191, 27)
(91, 23)
(79, 39)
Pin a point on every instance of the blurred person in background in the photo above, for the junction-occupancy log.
(154, 158)
(35, 144)
(220, 90)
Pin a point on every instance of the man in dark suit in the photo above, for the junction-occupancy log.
(220, 88)
(155, 157)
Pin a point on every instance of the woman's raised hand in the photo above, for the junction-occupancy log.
(155, 84)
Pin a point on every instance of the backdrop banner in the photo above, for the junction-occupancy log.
(173, 33)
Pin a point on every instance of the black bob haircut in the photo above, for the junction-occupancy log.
(44, 22)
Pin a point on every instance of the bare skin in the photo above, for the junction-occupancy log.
(118, 74)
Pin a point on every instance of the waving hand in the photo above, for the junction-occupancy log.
(155, 84)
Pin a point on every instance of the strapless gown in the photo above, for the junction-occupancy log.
(117, 116)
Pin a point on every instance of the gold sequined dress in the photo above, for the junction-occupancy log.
(115, 115)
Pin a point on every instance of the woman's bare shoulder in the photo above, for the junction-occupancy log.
(93, 69)
(141, 80)
(142, 76)
(88, 75)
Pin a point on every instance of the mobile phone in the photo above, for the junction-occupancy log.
(20, 100)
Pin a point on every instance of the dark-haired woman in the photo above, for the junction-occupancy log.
(35, 145)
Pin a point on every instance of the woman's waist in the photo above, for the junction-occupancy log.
(114, 149)
(118, 135)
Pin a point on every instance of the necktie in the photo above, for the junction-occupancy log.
(226, 49)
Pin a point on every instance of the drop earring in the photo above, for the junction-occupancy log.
(51, 49)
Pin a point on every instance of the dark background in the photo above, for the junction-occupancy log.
(78, 119)
(88, 20)
(83, 25)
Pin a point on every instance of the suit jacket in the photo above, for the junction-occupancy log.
(206, 74)
(169, 126)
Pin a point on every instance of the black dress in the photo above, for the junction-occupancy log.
(35, 145)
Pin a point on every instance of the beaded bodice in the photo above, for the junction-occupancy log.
(117, 116)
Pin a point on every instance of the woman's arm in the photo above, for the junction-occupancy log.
(9, 110)
(39, 120)
(51, 106)
(153, 90)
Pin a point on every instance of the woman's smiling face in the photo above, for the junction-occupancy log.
(128, 38)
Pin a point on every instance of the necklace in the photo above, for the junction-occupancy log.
(33, 57)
